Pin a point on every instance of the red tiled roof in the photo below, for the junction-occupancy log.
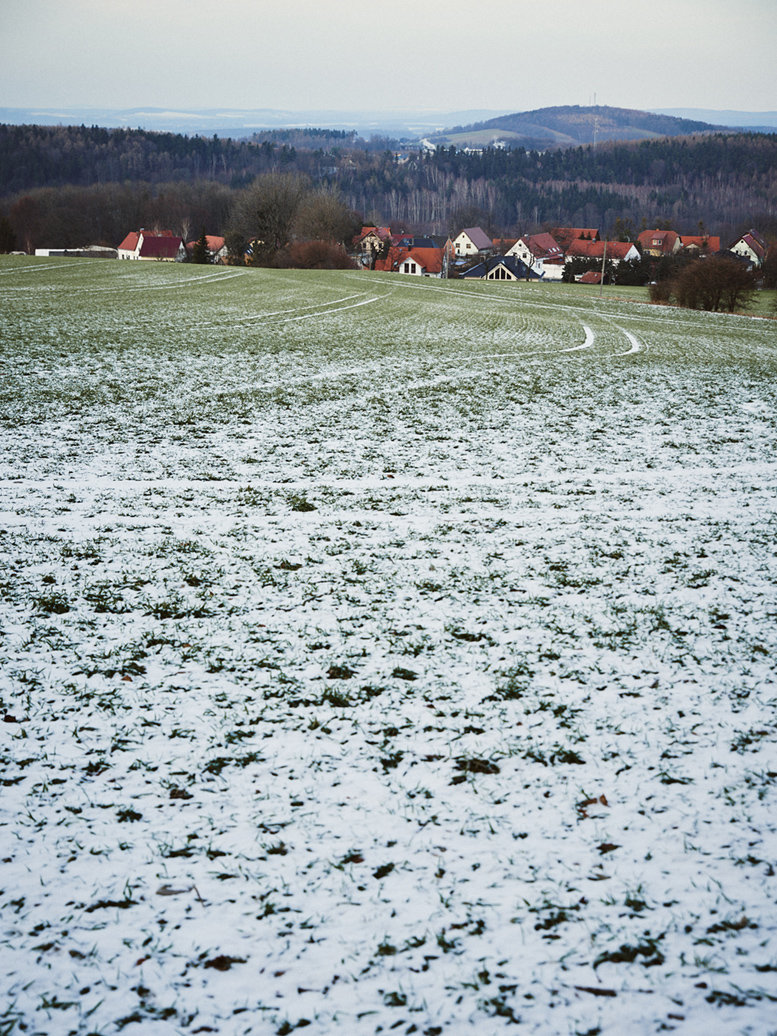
(130, 242)
(702, 241)
(584, 248)
(591, 277)
(543, 246)
(663, 239)
(430, 259)
(564, 236)
(382, 233)
(595, 249)
(212, 242)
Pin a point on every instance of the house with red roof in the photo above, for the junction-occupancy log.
(591, 277)
(542, 254)
(370, 240)
(145, 244)
(216, 246)
(564, 236)
(613, 251)
(659, 242)
(700, 244)
(750, 246)
(418, 262)
(598, 253)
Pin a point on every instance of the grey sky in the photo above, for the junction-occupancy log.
(385, 54)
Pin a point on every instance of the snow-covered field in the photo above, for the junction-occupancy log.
(383, 656)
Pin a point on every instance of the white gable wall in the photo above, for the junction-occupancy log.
(410, 266)
(463, 245)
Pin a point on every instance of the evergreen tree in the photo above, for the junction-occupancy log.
(200, 253)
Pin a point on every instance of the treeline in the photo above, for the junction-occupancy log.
(69, 186)
(103, 214)
(57, 156)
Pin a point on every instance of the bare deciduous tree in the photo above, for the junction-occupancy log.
(265, 212)
(715, 284)
(324, 216)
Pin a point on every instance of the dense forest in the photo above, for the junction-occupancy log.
(70, 186)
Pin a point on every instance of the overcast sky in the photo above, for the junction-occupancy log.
(513, 55)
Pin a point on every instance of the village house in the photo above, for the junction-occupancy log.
(541, 253)
(145, 244)
(750, 246)
(659, 242)
(603, 254)
(418, 262)
(216, 246)
(370, 240)
(700, 244)
(564, 236)
(472, 241)
(613, 251)
(501, 268)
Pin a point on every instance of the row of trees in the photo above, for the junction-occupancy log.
(273, 209)
(716, 284)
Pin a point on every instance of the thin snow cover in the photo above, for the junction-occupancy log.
(382, 657)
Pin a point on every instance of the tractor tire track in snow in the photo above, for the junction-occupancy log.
(636, 345)
(340, 309)
(590, 339)
(315, 307)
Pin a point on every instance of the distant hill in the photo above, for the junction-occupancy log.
(570, 126)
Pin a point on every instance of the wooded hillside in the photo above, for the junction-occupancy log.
(570, 125)
(76, 185)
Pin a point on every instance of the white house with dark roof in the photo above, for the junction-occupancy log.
(750, 246)
(501, 268)
(472, 241)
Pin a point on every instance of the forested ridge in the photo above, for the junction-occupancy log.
(572, 124)
(79, 185)
(56, 156)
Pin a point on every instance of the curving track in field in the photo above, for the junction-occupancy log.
(590, 337)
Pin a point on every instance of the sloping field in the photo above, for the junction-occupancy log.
(383, 656)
